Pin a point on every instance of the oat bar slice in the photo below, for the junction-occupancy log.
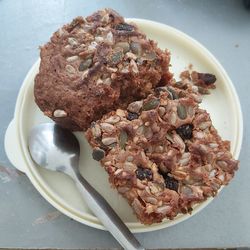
(162, 153)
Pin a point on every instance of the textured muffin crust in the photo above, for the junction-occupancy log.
(163, 153)
(94, 65)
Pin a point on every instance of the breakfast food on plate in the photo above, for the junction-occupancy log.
(162, 153)
(160, 149)
(94, 65)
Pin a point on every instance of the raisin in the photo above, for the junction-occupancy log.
(132, 116)
(171, 183)
(144, 173)
(98, 154)
(207, 78)
(185, 131)
(124, 27)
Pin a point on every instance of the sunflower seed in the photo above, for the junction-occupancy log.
(70, 69)
(128, 166)
(161, 111)
(107, 141)
(173, 118)
(113, 119)
(107, 127)
(59, 113)
(148, 132)
(134, 67)
(182, 112)
(109, 37)
(205, 125)
(140, 130)
(131, 56)
(99, 39)
(72, 58)
(130, 158)
(135, 107)
(72, 41)
(96, 130)
(164, 209)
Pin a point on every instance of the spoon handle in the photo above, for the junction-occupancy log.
(107, 215)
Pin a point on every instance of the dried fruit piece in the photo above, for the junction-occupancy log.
(144, 173)
(152, 104)
(132, 116)
(185, 131)
(207, 78)
(123, 139)
(170, 182)
(124, 27)
(98, 154)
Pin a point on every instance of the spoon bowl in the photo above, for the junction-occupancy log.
(54, 148)
(57, 149)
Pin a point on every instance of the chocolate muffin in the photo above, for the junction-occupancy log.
(94, 65)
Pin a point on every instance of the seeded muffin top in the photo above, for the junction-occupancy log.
(94, 65)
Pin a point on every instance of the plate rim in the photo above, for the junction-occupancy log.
(134, 226)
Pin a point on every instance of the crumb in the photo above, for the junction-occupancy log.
(190, 66)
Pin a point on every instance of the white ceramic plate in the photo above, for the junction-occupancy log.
(58, 189)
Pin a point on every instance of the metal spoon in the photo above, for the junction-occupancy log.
(57, 149)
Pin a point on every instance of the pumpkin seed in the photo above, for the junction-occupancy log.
(85, 64)
(124, 27)
(172, 93)
(123, 139)
(116, 57)
(136, 48)
(98, 154)
(182, 112)
(124, 46)
(151, 104)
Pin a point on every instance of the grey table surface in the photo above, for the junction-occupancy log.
(26, 219)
